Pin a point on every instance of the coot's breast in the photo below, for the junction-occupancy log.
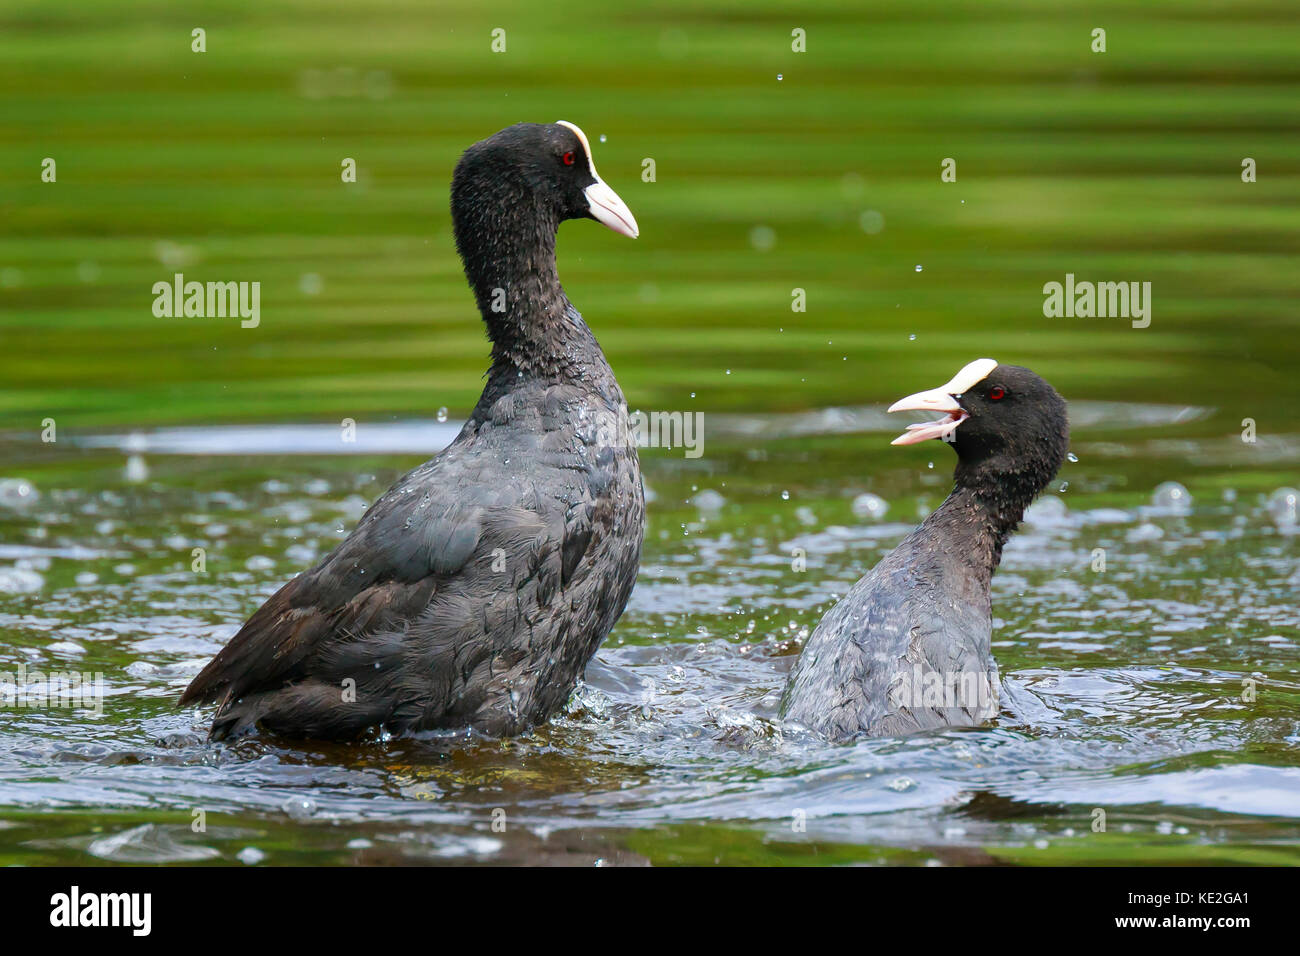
(913, 624)
(556, 563)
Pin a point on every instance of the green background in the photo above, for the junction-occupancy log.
(1117, 166)
(225, 165)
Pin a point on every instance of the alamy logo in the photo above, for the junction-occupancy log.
(1085, 300)
(74, 908)
(971, 691)
(210, 300)
(37, 690)
(683, 430)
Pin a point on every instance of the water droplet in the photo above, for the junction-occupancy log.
(602, 137)
(785, 496)
(1171, 496)
(918, 267)
(442, 414)
(17, 492)
(299, 808)
(250, 855)
(912, 337)
(1071, 457)
(869, 507)
(1284, 506)
(708, 500)
(780, 77)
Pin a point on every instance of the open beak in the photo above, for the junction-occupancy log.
(935, 400)
(943, 400)
(607, 208)
(602, 202)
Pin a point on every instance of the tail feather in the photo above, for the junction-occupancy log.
(306, 710)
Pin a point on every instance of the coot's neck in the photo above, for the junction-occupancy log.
(976, 519)
(506, 240)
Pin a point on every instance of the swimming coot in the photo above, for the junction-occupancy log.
(907, 649)
(473, 593)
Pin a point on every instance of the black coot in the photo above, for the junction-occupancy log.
(908, 647)
(473, 593)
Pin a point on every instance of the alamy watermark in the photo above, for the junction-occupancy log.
(210, 300)
(38, 690)
(683, 430)
(76, 909)
(1102, 300)
(972, 691)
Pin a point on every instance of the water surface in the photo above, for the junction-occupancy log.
(1124, 685)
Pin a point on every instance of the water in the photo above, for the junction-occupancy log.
(1133, 623)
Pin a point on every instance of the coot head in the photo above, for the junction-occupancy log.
(1003, 421)
(542, 171)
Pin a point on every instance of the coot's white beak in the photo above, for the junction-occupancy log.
(942, 399)
(935, 400)
(608, 208)
(604, 204)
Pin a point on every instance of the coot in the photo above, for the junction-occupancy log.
(473, 593)
(908, 648)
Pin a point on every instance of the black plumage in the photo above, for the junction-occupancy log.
(473, 593)
(908, 648)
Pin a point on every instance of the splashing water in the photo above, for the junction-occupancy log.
(1125, 625)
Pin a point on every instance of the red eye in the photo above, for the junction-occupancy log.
(568, 158)
(997, 392)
